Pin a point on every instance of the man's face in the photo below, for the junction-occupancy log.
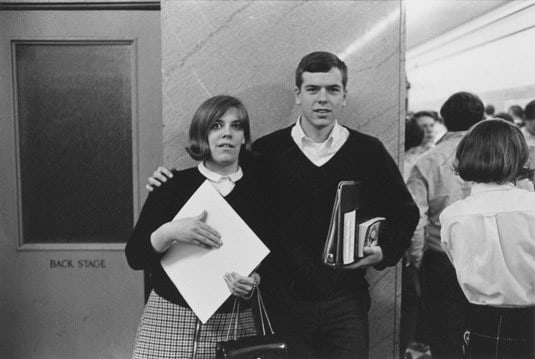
(427, 124)
(530, 125)
(321, 97)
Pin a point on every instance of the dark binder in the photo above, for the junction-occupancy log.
(349, 231)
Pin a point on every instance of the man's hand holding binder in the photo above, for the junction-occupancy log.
(352, 240)
(372, 256)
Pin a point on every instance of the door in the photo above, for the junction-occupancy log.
(80, 117)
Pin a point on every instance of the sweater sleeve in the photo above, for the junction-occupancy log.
(156, 211)
(396, 203)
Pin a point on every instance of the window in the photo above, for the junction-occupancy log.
(74, 120)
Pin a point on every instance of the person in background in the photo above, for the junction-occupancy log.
(434, 186)
(411, 328)
(426, 120)
(489, 111)
(518, 115)
(219, 138)
(490, 239)
(505, 116)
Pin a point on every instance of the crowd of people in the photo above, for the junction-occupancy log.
(455, 266)
(468, 257)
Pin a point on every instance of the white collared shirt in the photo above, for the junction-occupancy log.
(319, 153)
(490, 239)
(223, 184)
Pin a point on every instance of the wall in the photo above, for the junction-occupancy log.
(251, 49)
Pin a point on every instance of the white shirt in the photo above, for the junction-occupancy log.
(490, 239)
(319, 153)
(223, 184)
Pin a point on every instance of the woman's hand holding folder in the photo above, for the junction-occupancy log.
(191, 230)
(241, 286)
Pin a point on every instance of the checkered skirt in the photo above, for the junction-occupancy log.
(167, 330)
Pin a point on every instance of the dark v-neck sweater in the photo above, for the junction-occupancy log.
(164, 203)
(305, 194)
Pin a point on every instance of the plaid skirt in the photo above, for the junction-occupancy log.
(167, 330)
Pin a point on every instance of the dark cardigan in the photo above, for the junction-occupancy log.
(164, 203)
(305, 194)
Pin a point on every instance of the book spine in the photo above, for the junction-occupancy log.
(349, 237)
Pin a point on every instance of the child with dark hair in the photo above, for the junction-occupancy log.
(490, 239)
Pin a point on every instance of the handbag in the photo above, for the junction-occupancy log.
(268, 345)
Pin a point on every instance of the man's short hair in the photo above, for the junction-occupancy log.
(319, 61)
(529, 112)
(461, 111)
(208, 112)
(492, 151)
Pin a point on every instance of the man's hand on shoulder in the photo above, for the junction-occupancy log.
(158, 177)
(372, 256)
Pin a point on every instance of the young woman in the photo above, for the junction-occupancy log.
(490, 239)
(219, 137)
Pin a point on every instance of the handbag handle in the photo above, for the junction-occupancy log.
(263, 312)
(236, 316)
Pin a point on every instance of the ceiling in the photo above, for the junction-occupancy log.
(427, 19)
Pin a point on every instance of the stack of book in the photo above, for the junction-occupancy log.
(349, 232)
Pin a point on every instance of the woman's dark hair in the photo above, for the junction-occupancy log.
(492, 151)
(208, 112)
(461, 111)
(505, 116)
(414, 134)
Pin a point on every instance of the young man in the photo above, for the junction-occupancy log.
(323, 312)
(435, 185)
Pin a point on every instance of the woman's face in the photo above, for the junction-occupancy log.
(225, 139)
(427, 124)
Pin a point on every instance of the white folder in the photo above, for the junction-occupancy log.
(198, 272)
